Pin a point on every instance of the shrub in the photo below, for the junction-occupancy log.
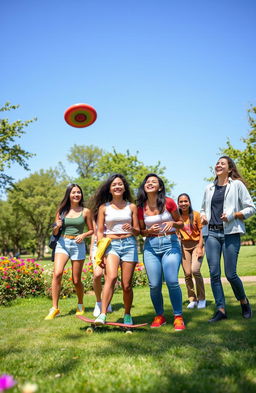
(67, 286)
(140, 278)
(20, 278)
(25, 277)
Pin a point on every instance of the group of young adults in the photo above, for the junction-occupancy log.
(173, 234)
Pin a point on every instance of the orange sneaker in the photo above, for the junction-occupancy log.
(179, 323)
(159, 320)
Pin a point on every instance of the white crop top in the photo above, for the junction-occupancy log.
(116, 218)
(159, 219)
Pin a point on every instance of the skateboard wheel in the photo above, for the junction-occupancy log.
(128, 332)
(89, 330)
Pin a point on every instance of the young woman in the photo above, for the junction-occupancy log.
(159, 218)
(70, 244)
(192, 251)
(98, 272)
(226, 204)
(117, 219)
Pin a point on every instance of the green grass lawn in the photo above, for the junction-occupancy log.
(60, 357)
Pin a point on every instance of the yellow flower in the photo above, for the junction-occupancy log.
(29, 388)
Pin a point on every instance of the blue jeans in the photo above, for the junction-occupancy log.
(215, 244)
(162, 257)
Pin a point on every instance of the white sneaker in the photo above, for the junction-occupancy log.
(192, 304)
(97, 309)
(109, 309)
(201, 304)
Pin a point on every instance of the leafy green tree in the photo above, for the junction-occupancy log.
(14, 230)
(11, 152)
(95, 165)
(245, 159)
(86, 159)
(131, 167)
(38, 197)
(246, 163)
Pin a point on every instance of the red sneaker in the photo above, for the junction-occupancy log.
(179, 323)
(159, 320)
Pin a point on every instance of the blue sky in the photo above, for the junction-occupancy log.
(170, 79)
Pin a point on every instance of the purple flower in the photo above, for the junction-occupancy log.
(6, 382)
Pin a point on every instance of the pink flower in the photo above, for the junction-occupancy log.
(6, 382)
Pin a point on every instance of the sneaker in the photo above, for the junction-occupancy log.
(159, 320)
(192, 304)
(97, 309)
(80, 311)
(218, 316)
(109, 309)
(101, 320)
(179, 323)
(54, 312)
(128, 319)
(246, 310)
(201, 304)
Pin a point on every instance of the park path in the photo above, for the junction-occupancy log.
(223, 279)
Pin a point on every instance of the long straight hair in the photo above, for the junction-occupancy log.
(64, 205)
(103, 194)
(190, 209)
(234, 174)
(142, 195)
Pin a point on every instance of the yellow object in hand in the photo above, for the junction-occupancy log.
(102, 245)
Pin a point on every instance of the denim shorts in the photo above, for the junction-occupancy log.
(125, 249)
(75, 251)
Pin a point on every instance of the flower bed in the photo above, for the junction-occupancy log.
(25, 277)
(67, 286)
(20, 278)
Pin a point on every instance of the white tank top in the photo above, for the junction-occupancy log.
(159, 219)
(116, 218)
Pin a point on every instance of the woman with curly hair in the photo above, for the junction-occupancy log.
(117, 220)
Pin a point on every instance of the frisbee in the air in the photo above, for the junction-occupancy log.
(80, 115)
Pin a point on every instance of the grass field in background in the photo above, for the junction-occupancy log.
(60, 357)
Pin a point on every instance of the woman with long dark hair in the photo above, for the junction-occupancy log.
(70, 219)
(159, 218)
(192, 251)
(117, 220)
(226, 204)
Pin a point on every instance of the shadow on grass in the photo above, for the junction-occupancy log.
(222, 352)
(205, 357)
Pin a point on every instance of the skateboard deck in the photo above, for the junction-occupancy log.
(123, 325)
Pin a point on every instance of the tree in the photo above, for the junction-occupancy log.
(131, 167)
(37, 197)
(245, 159)
(15, 232)
(106, 164)
(86, 158)
(11, 152)
(246, 163)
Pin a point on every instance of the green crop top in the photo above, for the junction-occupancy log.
(73, 226)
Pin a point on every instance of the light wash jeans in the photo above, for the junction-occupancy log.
(162, 257)
(215, 244)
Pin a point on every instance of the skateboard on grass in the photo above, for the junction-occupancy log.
(127, 328)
